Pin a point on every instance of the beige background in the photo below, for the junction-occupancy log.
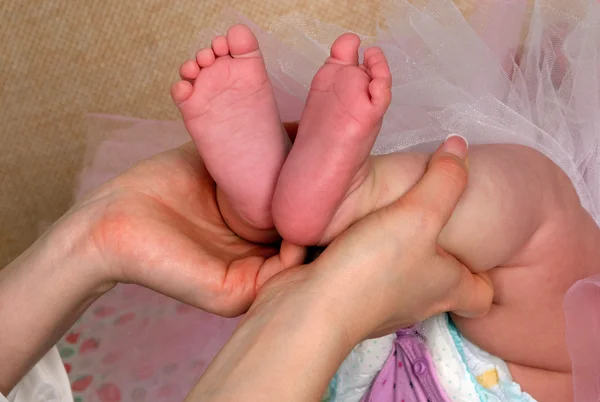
(60, 59)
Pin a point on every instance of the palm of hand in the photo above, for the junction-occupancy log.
(159, 225)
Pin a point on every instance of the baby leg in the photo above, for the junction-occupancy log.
(329, 159)
(229, 109)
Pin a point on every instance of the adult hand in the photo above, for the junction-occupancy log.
(159, 225)
(384, 272)
(387, 271)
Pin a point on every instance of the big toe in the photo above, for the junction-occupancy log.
(242, 42)
(345, 50)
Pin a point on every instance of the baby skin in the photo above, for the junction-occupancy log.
(229, 109)
(520, 220)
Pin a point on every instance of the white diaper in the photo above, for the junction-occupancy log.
(452, 371)
(360, 368)
(466, 372)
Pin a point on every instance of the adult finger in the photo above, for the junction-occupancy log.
(433, 199)
(289, 256)
(474, 295)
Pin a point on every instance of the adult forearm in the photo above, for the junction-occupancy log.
(41, 294)
(287, 349)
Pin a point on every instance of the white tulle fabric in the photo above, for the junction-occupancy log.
(514, 72)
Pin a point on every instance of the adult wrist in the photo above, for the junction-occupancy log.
(42, 293)
(346, 302)
(291, 334)
(74, 242)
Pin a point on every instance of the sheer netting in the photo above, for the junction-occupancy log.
(515, 72)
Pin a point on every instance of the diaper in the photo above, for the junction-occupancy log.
(354, 377)
(466, 372)
(393, 368)
(463, 371)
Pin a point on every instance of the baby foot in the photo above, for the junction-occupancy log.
(229, 109)
(339, 125)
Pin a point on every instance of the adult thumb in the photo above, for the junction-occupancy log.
(436, 195)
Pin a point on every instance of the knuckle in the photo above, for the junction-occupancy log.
(426, 220)
(451, 169)
(449, 304)
(423, 217)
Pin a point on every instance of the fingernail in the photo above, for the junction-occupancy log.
(456, 145)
